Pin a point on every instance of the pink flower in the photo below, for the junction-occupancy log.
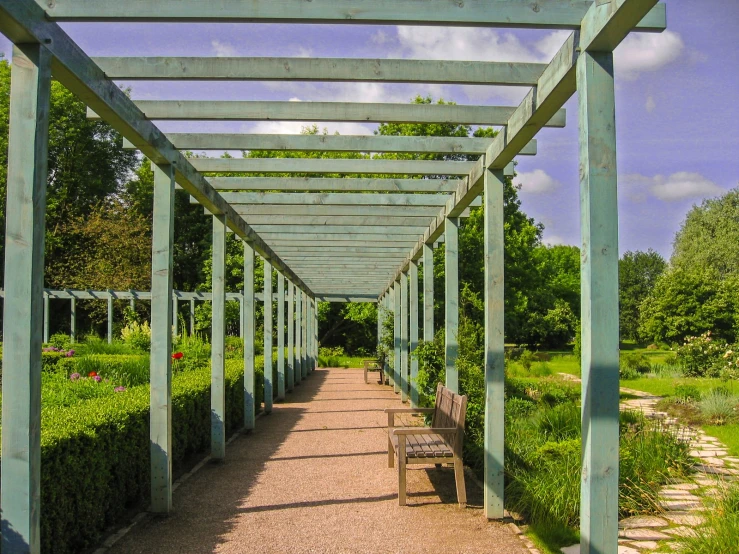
(120, 389)
(97, 378)
(74, 377)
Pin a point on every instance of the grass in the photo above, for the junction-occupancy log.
(728, 434)
(661, 386)
(342, 361)
(719, 532)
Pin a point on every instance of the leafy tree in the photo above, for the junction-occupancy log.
(637, 274)
(685, 303)
(709, 236)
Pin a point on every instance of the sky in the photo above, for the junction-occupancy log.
(677, 114)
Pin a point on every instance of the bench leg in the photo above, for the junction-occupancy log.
(459, 478)
(365, 375)
(401, 471)
(390, 454)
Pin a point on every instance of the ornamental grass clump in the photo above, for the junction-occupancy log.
(718, 533)
(719, 406)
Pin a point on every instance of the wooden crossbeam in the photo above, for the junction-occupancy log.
(373, 166)
(287, 184)
(24, 21)
(332, 211)
(333, 143)
(378, 229)
(320, 69)
(552, 14)
(366, 112)
(355, 221)
(335, 199)
(604, 27)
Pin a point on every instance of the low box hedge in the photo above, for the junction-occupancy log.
(95, 456)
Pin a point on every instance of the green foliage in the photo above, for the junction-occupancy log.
(60, 341)
(635, 363)
(95, 448)
(718, 407)
(687, 393)
(719, 532)
(137, 335)
(701, 356)
(637, 274)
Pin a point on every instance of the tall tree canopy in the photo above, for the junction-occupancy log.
(637, 274)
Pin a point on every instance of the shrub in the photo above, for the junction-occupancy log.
(60, 341)
(137, 335)
(701, 356)
(718, 406)
(95, 454)
(685, 394)
(637, 362)
(526, 359)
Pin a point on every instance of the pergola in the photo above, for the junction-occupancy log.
(338, 238)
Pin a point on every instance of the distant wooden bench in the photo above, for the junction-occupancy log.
(438, 444)
(373, 365)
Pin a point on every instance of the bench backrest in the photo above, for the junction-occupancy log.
(372, 364)
(449, 412)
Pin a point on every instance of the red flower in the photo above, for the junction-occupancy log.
(92, 374)
(177, 356)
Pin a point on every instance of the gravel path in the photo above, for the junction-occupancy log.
(313, 477)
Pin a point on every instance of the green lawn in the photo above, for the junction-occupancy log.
(665, 386)
(728, 434)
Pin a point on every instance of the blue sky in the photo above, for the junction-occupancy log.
(676, 93)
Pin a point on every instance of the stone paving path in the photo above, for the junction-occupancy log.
(682, 501)
(313, 477)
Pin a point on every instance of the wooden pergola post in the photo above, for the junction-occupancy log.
(110, 317)
(304, 337)
(413, 382)
(298, 335)
(600, 357)
(248, 324)
(47, 322)
(175, 312)
(290, 336)
(494, 443)
(428, 292)
(397, 359)
(267, 337)
(280, 337)
(451, 300)
(404, 337)
(160, 391)
(218, 342)
(192, 316)
(73, 320)
(24, 289)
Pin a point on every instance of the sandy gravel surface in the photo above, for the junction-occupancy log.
(313, 477)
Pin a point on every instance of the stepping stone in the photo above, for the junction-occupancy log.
(645, 545)
(713, 461)
(684, 486)
(635, 522)
(680, 505)
(712, 470)
(682, 532)
(707, 482)
(677, 495)
(685, 518)
(643, 535)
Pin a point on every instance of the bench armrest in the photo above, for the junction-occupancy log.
(425, 430)
(409, 410)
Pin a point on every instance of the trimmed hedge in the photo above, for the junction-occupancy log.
(95, 456)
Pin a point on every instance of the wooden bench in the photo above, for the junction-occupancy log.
(438, 444)
(373, 365)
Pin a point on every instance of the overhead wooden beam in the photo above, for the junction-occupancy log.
(378, 229)
(354, 221)
(23, 21)
(604, 26)
(364, 211)
(329, 236)
(332, 143)
(365, 112)
(320, 69)
(335, 199)
(348, 297)
(328, 184)
(558, 14)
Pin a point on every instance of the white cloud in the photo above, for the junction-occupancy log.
(458, 43)
(643, 52)
(537, 182)
(682, 185)
(651, 104)
(553, 240)
(296, 127)
(380, 37)
(222, 49)
(304, 52)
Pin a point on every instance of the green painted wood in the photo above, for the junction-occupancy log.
(304, 337)
(320, 69)
(26, 22)
(290, 336)
(280, 337)
(355, 221)
(192, 316)
(23, 309)
(241, 318)
(110, 318)
(563, 14)
(268, 392)
(362, 211)
(298, 336)
(46, 320)
(315, 333)
(404, 337)
(331, 143)
(132, 304)
(390, 370)
(162, 310)
(249, 325)
(327, 165)
(428, 292)
(339, 250)
(218, 342)
(365, 112)
(494, 443)
(175, 317)
(377, 229)
(73, 321)
(318, 238)
(345, 297)
(309, 336)
(413, 338)
(398, 317)
(451, 302)
(600, 356)
(327, 184)
(339, 257)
